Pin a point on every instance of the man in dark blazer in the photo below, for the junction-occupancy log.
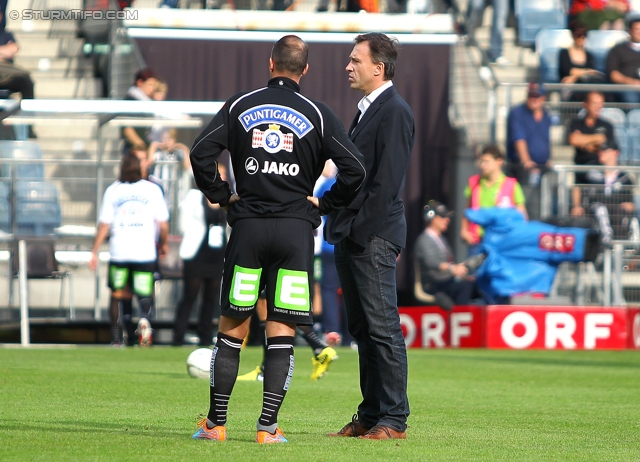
(369, 235)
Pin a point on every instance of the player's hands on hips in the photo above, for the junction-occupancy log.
(314, 200)
(232, 200)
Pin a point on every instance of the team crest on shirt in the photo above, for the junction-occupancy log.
(272, 140)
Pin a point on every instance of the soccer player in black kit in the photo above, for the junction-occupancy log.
(279, 141)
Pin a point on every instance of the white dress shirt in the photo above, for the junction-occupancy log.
(367, 100)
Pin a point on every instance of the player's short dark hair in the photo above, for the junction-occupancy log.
(144, 75)
(383, 50)
(493, 150)
(130, 170)
(290, 55)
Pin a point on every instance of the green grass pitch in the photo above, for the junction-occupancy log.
(98, 403)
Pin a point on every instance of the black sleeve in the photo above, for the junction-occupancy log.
(351, 171)
(204, 154)
(565, 63)
(612, 61)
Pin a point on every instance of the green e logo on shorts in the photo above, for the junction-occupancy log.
(292, 290)
(143, 283)
(119, 277)
(245, 286)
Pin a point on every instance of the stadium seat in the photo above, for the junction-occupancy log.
(37, 208)
(521, 5)
(618, 119)
(24, 150)
(5, 208)
(533, 20)
(42, 264)
(549, 42)
(633, 157)
(599, 42)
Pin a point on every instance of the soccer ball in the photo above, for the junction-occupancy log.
(199, 363)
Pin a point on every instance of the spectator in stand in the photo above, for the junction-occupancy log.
(475, 11)
(576, 65)
(623, 61)
(439, 274)
(587, 133)
(528, 145)
(166, 150)
(611, 187)
(12, 77)
(491, 188)
(600, 14)
(143, 88)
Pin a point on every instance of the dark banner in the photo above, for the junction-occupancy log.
(214, 70)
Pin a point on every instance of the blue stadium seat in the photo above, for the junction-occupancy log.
(618, 119)
(599, 42)
(27, 150)
(5, 208)
(37, 218)
(37, 208)
(549, 42)
(533, 20)
(633, 119)
(520, 5)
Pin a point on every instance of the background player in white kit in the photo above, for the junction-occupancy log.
(134, 212)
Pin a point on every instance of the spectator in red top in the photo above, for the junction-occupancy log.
(600, 14)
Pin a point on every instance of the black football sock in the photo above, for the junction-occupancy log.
(316, 344)
(278, 369)
(114, 319)
(263, 334)
(146, 305)
(127, 321)
(224, 370)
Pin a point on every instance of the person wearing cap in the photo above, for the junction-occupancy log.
(611, 187)
(587, 133)
(528, 143)
(623, 61)
(438, 271)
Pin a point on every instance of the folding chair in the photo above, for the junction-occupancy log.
(42, 264)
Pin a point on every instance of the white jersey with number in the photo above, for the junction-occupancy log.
(133, 211)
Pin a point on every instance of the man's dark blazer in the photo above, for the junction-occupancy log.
(385, 137)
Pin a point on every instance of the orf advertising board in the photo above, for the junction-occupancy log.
(433, 327)
(633, 328)
(563, 327)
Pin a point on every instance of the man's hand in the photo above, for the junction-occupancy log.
(314, 200)
(163, 250)
(93, 261)
(232, 200)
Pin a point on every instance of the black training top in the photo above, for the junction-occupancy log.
(279, 141)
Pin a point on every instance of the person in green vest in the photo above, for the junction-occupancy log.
(490, 188)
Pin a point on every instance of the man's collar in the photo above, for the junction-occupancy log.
(368, 100)
(284, 82)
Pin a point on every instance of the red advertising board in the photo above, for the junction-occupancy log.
(433, 327)
(633, 328)
(560, 327)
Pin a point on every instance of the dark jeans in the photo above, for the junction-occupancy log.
(368, 281)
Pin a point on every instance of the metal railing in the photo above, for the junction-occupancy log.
(614, 277)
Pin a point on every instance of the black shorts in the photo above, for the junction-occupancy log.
(274, 254)
(132, 276)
